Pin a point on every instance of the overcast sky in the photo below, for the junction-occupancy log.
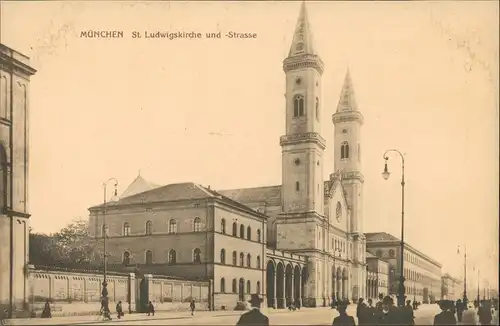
(425, 77)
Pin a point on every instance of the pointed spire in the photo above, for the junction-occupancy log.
(302, 42)
(347, 100)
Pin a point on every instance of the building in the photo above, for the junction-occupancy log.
(377, 281)
(422, 273)
(451, 288)
(312, 245)
(15, 73)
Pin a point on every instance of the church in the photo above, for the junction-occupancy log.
(300, 240)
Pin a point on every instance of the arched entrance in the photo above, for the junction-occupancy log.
(241, 290)
(270, 285)
(305, 278)
(334, 281)
(345, 294)
(339, 295)
(280, 285)
(297, 286)
(288, 284)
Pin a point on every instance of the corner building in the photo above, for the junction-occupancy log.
(311, 246)
(15, 73)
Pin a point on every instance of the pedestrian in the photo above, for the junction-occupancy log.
(254, 317)
(484, 313)
(343, 318)
(378, 305)
(361, 312)
(409, 317)
(192, 306)
(151, 309)
(119, 310)
(47, 313)
(105, 313)
(460, 310)
(445, 317)
(389, 314)
(371, 313)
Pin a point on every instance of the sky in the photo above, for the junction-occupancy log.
(211, 111)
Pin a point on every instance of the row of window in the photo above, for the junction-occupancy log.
(172, 257)
(412, 275)
(242, 288)
(299, 107)
(172, 227)
(242, 231)
(242, 259)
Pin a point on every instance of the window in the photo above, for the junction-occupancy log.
(235, 230)
(197, 255)
(222, 285)
(249, 233)
(242, 259)
(4, 105)
(126, 258)
(126, 229)
(104, 230)
(242, 231)
(298, 106)
(235, 289)
(258, 236)
(249, 287)
(197, 224)
(172, 226)
(344, 150)
(338, 211)
(149, 257)
(258, 262)
(297, 186)
(149, 227)
(172, 256)
(317, 108)
(258, 287)
(392, 253)
(223, 226)
(249, 260)
(235, 258)
(222, 256)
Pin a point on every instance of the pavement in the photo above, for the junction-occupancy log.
(306, 316)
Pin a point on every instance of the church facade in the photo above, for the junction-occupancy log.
(301, 240)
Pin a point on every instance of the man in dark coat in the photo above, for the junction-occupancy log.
(460, 310)
(361, 312)
(389, 314)
(343, 319)
(254, 317)
(445, 317)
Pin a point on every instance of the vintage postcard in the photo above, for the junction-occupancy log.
(249, 162)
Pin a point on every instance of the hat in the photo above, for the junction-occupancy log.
(387, 300)
(256, 299)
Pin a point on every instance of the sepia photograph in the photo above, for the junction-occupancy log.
(249, 162)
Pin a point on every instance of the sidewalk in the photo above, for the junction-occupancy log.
(82, 320)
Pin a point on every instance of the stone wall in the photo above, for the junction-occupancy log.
(78, 292)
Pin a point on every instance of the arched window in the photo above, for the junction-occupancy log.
(172, 256)
(172, 226)
(317, 108)
(235, 288)
(235, 230)
(235, 258)
(223, 256)
(297, 186)
(258, 287)
(298, 106)
(258, 235)
(249, 287)
(249, 233)
(242, 231)
(149, 228)
(126, 258)
(258, 262)
(197, 255)
(249, 260)
(344, 150)
(338, 211)
(222, 285)
(223, 226)
(197, 224)
(242, 259)
(126, 229)
(149, 257)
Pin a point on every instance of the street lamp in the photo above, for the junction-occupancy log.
(465, 300)
(385, 175)
(105, 234)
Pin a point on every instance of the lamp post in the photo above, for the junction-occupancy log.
(465, 300)
(478, 281)
(105, 235)
(385, 175)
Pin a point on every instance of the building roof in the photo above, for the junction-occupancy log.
(137, 186)
(254, 195)
(370, 255)
(302, 42)
(347, 101)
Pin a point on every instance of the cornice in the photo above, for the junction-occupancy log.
(347, 116)
(11, 64)
(304, 61)
(310, 137)
(354, 175)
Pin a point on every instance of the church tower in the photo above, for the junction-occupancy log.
(347, 152)
(299, 226)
